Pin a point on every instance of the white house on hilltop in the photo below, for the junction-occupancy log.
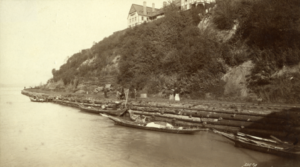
(188, 4)
(139, 14)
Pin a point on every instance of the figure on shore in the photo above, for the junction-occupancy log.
(122, 96)
(105, 92)
(118, 95)
(135, 93)
(176, 92)
(172, 95)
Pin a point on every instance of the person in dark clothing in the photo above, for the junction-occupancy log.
(105, 93)
(122, 96)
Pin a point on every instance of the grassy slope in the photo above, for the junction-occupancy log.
(172, 52)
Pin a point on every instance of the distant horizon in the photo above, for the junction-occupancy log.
(17, 84)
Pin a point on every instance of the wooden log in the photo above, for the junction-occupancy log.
(232, 123)
(276, 115)
(255, 125)
(203, 104)
(223, 128)
(264, 133)
(225, 116)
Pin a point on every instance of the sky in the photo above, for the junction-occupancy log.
(39, 35)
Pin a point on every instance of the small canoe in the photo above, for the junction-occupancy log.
(38, 100)
(115, 112)
(256, 138)
(127, 123)
(262, 146)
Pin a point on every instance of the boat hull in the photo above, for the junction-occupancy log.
(126, 123)
(37, 100)
(275, 149)
(102, 111)
(266, 150)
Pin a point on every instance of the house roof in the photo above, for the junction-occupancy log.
(156, 13)
(161, 11)
(140, 9)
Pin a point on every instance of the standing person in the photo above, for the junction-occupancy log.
(135, 94)
(177, 98)
(122, 94)
(172, 94)
(105, 92)
(118, 94)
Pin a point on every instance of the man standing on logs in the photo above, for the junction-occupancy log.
(105, 92)
(122, 93)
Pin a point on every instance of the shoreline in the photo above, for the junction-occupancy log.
(282, 121)
(261, 105)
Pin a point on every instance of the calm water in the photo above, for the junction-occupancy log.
(46, 134)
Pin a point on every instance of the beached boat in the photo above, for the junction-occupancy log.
(153, 126)
(109, 111)
(263, 145)
(170, 116)
(38, 99)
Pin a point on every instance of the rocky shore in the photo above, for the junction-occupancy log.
(282, 121)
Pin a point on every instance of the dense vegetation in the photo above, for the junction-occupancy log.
(171, 52)
(168, 53)
(270, 30)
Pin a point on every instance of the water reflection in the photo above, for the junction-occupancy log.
(45, 134)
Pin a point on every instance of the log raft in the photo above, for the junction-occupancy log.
(260, 120)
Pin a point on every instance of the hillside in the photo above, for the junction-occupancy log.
(240, 50)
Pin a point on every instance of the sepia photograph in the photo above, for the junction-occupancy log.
(149, 83)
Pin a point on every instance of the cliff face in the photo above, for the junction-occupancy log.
(235, 79)
(207, 27)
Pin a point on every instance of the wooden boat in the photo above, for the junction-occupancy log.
(109, 111)
(68, 103)
(263, 145)
(127, 123)
(170, 116)
(38, 100)
(257, 138)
